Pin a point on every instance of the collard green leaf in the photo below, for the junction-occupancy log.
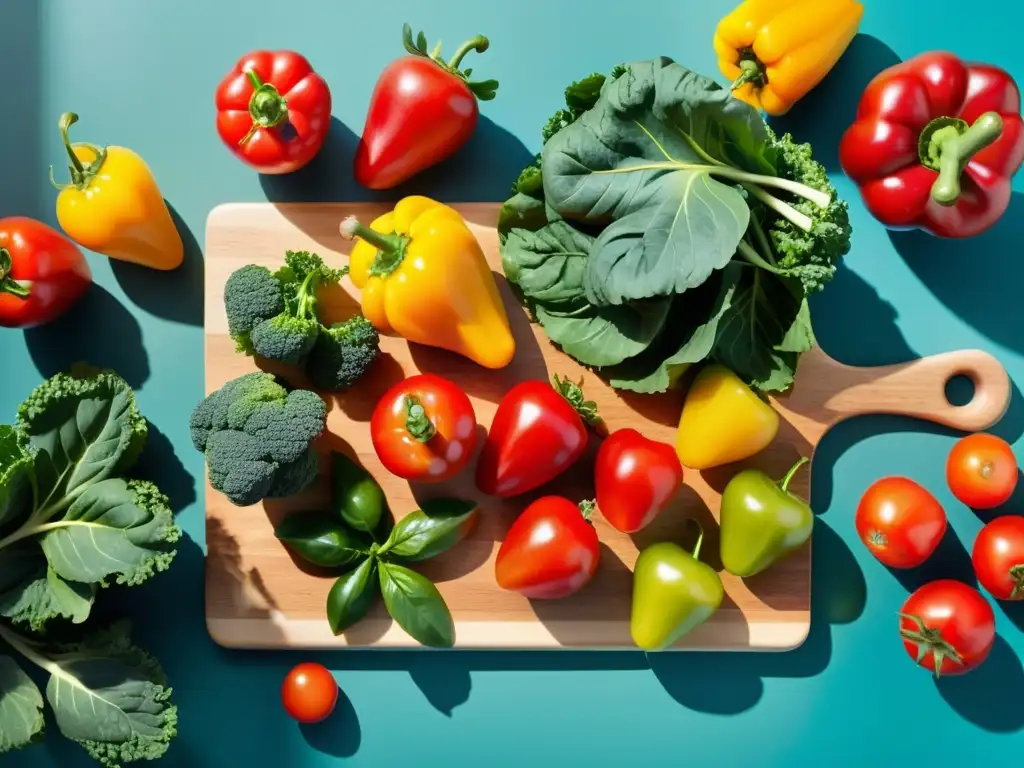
(17, 478)
(548, 264)
(604, 336)
(355, 495)
(115, 528)
(32, 594)
(321, 539)
(351, 596)
(21, 707)
(427, 532)
(416, 606)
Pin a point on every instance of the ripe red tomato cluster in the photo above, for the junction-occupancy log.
(946, 625)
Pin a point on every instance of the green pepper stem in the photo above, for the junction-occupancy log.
(947, 145)
(7, 283)
(587, 509)
(700, 537)
(267, 107)
(81, 175)
(750, 71)
(784, 483)
(573, 393)
(417, 423)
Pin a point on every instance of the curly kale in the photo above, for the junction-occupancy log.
(257, 436)
(343, 353)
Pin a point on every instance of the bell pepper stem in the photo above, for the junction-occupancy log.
(750, 71)
(479, 43)
(267, 107)
(573, 393)
(7, 283)
(390, 248)
(947, 145)
(700, 537)
(417, 423)
(587, 509)
(81, 175)
(784, 483)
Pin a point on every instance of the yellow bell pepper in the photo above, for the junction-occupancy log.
(723, 421)
(113, 205)
(424, 277)
(775, 51)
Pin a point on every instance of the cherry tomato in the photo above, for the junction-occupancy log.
(538, 432)
(635, 478)
(900, 522)
(551, 550)
(982, 471)
(309, 693)
(998, 557)
(424, 428)
(947, 627)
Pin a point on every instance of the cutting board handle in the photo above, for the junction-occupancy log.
(918, 389)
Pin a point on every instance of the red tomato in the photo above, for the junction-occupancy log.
(537, 434)
(273, 111)
(422, 111)
(998, 557)
(309, 693)
(635, 478)
(947, 627)
(551, 550)
(424, 429)
(982, 471)
(900, 522)
(42, 273)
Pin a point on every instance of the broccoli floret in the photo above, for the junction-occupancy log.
(343, 353)
(285, 338)
(256, 434)
(251, 295)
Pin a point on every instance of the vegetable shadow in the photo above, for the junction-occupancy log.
(823, 115)
(1013, 610)
(327, 178)
(976, 278)
(359, 402)
(98, 329)
(475, 550)
(175, 295)
(339, 735)
(160, 464)
(988, 696)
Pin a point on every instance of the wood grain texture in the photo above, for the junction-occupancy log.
(258, 596)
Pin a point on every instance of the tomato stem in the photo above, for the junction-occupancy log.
(784, 483)
(417, 423)
(1017, 576)
(267, 107)
(81, 175)
(573, 394)
(587, 509)
(390, 248)
(7, 283)
(929, 640)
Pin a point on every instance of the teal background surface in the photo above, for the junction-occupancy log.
(141, 73)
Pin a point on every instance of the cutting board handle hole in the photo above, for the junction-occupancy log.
(960, 390)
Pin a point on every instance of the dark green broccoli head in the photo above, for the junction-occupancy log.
(251, 295)
(256, 436)
(285, 338)
(343, 353)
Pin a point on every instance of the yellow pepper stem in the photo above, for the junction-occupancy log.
(267, 107)
(7, 283)
(81, 175)
(947, 145)
(417, 423)
(390, 248)
(751, 71)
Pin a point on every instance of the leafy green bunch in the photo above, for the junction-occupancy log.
(664, 224)
(71, 524)
(359, 537)
(276, 315)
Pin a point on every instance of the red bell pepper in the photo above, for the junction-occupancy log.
(42, 273)
(935, 145)
(273, 111)
(422, 111)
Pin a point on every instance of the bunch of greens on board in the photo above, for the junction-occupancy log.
(359, 537)
(664, 224)
(72, 524)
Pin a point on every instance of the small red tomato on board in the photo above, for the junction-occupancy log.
(900, 522)
(982, 471)
(635, 478)
(309, 693)
(551, 550)
(537, 433)
(42, 273)
(422, 111)
(273, 111)
(998, 557)
(424, 429)
(947, 627)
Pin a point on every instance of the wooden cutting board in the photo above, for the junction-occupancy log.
(257, 596)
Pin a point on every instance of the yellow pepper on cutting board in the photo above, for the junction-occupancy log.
(723, 421)
(775, 51)
(113, 206)
(424, 277)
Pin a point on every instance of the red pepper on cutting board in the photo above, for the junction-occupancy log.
(273, 111)
(935, 145)
(422, 111)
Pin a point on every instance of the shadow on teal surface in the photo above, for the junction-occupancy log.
(339, 735)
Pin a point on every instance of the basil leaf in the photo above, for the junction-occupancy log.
(427, 532)
(21, 707)
(416, 606)
(351, 596)
(321, 539)
(355, 495)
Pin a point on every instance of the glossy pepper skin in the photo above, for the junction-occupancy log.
(776, 51)
(635, 479)
(723, 421)
(273, 111)
(424, 277)
(113, 205)
(761, 521)
(935, 145)
(423, 110)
